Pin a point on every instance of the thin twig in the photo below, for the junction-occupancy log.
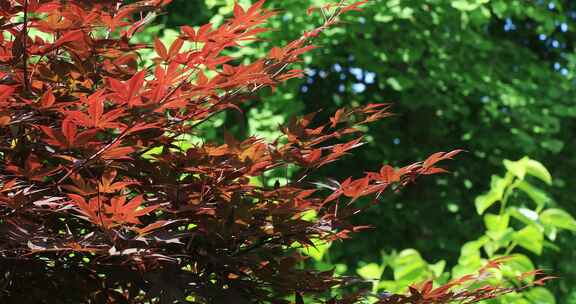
(24, 36)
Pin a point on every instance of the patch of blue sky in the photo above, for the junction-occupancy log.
(358, 87)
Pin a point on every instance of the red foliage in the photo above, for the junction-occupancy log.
(88, 216)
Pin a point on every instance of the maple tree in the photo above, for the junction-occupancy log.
(100, 202)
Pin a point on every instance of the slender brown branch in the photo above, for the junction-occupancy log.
(24, 35)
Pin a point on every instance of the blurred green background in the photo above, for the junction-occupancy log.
(494, 77)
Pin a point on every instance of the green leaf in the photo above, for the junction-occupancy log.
(323, 266)
(537, 195)
(531, 238)
(518, 168)
(384, 18)
(150, 154)
(391, 286)
(537, 170)
(503, 239)
(553, 145)
(551, 246)
(395, 84)
(550, 231)
(318, 251)
(309, 215)
(517, 265)
(558, 218)
(540, 295)
(497, 187)
(470, 251)
(468, 5)
(438, 268)
(499, 7)
(491, 248)
(370, 271)
(525, 215)
(497, 223)
(340, 269)
(409, 266)
(484, 201)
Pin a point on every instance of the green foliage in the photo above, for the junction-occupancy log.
(525, 218)
(517, 224)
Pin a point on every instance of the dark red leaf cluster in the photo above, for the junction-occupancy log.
(99, 202)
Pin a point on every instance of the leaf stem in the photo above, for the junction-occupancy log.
(24, 35)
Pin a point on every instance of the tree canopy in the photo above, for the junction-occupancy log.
(495, 78)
